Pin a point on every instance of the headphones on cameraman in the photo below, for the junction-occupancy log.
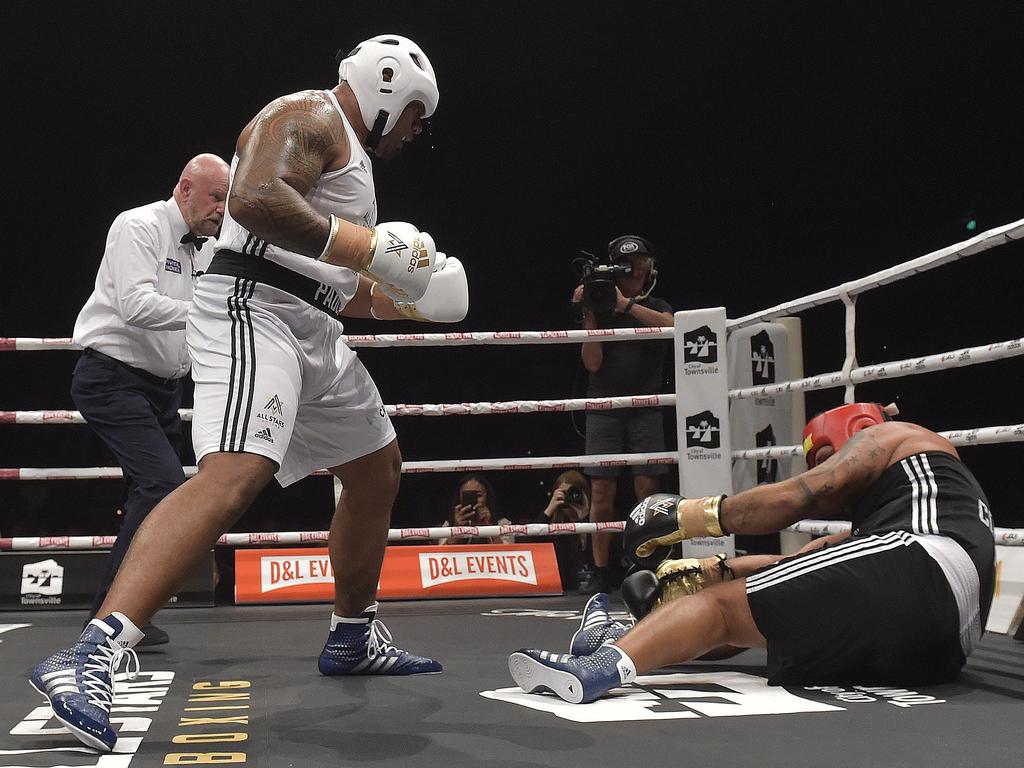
(622, 248)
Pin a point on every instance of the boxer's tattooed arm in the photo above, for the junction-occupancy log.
(821, 492)
(286, 152)
(827, 489)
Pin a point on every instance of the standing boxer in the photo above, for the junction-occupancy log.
(900, 601)
(277, 390)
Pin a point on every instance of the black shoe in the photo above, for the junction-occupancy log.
(600, 581)
(153, 636)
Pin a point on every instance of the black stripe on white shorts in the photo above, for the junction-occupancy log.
(242, 379)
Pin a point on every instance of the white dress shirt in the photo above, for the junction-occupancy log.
(136, 313)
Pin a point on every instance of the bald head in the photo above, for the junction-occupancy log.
(201, 191)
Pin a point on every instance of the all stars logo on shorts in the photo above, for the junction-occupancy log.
(264, 434)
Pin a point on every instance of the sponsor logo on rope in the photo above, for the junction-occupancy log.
(415, 533)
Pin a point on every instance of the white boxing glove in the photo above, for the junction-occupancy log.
(402, 261)
(447, 296)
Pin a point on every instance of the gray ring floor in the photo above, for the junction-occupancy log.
(240, 685)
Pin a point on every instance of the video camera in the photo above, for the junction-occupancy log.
(598, 280)
(598, 275)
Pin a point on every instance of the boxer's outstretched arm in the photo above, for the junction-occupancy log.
(822, 492)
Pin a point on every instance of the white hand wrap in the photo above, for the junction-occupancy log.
(402, 261)
(447, 297)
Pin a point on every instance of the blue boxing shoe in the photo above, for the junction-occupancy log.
(362, 646)
(79, 681)
(597, 627)
(576, 679)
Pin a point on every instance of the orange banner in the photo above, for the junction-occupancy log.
(304, 575)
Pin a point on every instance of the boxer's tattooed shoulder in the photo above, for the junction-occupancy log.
(303, 132)
(283, 157)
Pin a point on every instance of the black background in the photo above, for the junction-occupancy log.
(770, 150)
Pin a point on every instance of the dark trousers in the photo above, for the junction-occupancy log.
(136, 414)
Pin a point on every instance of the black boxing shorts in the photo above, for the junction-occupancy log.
(870, 610)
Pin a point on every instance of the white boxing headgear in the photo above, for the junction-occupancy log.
(387, 73)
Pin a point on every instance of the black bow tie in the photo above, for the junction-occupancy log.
(189, 237)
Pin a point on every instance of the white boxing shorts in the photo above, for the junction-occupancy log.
(274, 377)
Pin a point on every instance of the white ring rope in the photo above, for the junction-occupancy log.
(456, 339)
(17, 543)
(980, 242)
(979, 436)
(407, 409)
(958, 358)
(1005, 536)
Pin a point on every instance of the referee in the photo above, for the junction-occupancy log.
(128, 381)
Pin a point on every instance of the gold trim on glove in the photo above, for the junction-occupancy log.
(679, 578)
(408, 309)
(694, 517)
(699, 517)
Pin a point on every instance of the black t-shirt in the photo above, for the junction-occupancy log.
(631, 367)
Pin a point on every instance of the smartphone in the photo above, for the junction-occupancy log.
(469, 498)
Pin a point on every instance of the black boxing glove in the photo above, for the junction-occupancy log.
(639, 592)
(664, 519)
(643, 591)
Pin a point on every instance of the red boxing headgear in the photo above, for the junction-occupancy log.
(838, 425)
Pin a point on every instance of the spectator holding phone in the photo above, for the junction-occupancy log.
(569, 503)
(475, 503)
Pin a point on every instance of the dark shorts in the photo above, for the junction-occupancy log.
(871, 610)
(639, 430)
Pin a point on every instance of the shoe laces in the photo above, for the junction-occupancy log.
(379, 642)
(105, 661)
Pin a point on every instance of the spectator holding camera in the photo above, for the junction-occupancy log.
(617, 294)
(474, 503)
(570, 503)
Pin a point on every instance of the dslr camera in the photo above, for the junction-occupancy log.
(574, 495)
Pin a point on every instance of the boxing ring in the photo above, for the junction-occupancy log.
(238, 683)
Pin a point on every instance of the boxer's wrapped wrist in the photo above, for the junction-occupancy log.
(373, 245)
(699, 517)
(331, 237)
(372, 313)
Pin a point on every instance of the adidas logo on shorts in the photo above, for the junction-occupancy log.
(264, 434)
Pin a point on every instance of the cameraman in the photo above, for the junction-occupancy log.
(616, 294)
